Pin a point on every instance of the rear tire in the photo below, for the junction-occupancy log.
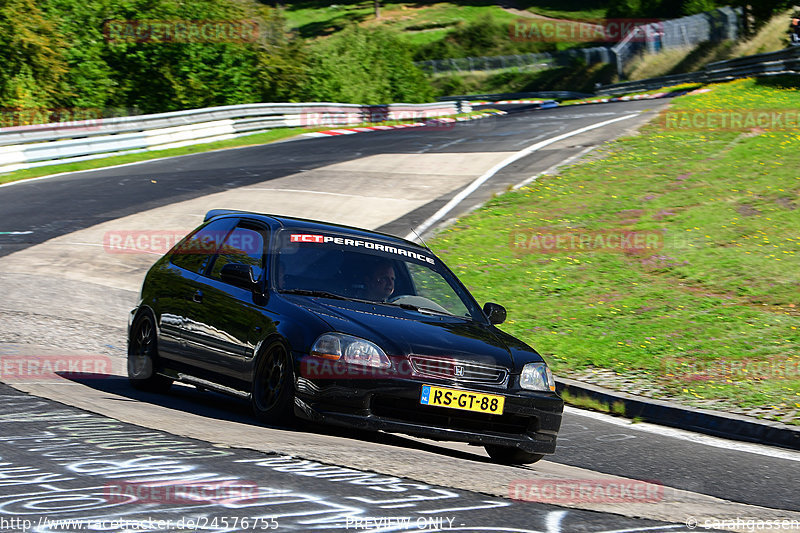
(142, 357)
(511, 456)
(272, 393)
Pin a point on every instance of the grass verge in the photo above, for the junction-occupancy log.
(258, 138)
(578, 77)
(417, 23)
(585, 402)
(710, 314)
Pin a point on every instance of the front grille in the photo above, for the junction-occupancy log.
(410, 411)
(460, 370)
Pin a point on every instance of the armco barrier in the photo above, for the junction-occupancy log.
(786, 61)
(49, 144)
(545, 95)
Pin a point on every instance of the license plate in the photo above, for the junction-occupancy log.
(459, 399)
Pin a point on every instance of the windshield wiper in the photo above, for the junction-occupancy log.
(326, 294)
(422, 309)
(309, 292)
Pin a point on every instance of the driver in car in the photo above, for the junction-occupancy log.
(379, 281)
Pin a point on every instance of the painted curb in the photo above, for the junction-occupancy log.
(653, 96)
(716, 423)
(593, 100)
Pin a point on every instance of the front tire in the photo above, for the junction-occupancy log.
(142, 356)
(272, 394)
(511, 456)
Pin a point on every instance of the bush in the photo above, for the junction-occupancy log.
(666, 9)
(39, 70)
(366, 67)
(484, 37)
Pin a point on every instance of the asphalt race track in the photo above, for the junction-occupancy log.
(82, 469)
(79, 449)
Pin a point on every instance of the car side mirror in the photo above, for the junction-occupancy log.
(238, 274)
(496, 313)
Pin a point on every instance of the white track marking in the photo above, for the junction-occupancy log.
(49, 176)
(651, 528)
(553, 521)
(689, 436)
(499, 166)
(555, 167)
(517, 530)
(490, 504)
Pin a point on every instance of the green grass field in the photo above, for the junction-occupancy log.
(711, 315)
(418, 23)
(423, 23)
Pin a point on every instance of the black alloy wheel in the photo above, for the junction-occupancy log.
(142, 357)
(272, 395)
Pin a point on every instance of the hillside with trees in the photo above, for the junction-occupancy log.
(65, 54)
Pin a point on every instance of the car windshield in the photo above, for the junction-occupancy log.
(338, 266)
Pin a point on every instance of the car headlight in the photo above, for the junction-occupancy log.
(537, 376)
(337, 346)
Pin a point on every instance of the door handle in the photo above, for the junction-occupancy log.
(198, 297)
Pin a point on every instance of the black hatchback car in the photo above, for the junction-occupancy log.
(339, 325)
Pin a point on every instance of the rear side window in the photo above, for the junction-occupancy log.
(243, 245)
(196, 251)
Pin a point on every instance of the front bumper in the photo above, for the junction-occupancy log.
(530, 420)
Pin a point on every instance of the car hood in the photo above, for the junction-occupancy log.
(402, 332)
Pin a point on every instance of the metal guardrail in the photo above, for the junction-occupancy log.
(469, 64)
(785, 61)
(50, 144)
(545, 95)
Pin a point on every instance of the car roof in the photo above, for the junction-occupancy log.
(304, 224)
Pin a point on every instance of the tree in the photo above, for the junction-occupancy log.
(89, 80)
(757, 12)
(365, 66)
(172, 73)
(32, 56)
(691, 7)
(624, 8)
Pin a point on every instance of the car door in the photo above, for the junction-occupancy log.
(173, 285)
(227, 320)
